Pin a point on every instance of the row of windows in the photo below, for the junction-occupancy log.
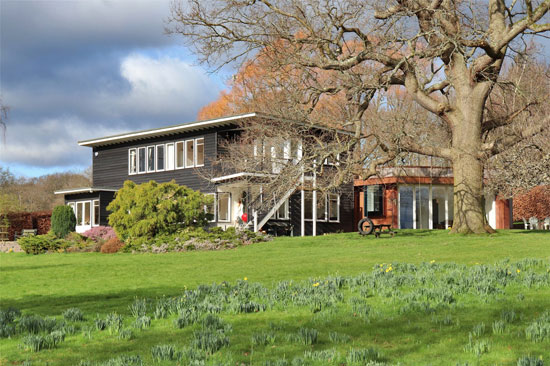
(86, 212)
(220, 208)
(328, 206)
(170, 156)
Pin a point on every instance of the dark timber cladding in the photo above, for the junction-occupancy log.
(110, 163)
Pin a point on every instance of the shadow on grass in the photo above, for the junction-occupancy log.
(90, 304)
(26, 268)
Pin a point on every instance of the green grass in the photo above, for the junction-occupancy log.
(95, 283)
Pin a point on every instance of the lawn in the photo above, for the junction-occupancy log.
(420, 314)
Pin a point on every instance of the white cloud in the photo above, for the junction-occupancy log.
(164, 85)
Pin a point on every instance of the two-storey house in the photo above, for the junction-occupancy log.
(181, 153)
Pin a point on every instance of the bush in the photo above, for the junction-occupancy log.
(100, 233)
(150, 209)
(63, 221)
(112, 246)
(38, 244)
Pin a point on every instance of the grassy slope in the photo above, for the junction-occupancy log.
(49, 284)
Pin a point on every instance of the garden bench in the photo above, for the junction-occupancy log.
(525, 223)
(366, 227)
(26, 232)
(547, 223)
(534, 223)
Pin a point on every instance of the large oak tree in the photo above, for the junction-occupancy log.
(447, 56)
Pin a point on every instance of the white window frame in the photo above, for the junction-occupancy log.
(183, 156)
(228, 207)
(337, 205)
(167, 154)
(149, 170)
(215, 205)
(93, 212)
(139, 159)
(192, 141)
(195, 151)
(130, 161)
(286, 204)
(163, 157)
(326, 208)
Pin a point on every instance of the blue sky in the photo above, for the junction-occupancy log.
(76, 69)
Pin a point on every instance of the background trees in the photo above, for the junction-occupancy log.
(448, 57)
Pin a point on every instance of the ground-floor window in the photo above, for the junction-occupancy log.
(425, 207)
(86, 212)
(328, 206)
(210, 208)
(282, 213)
(224, 207)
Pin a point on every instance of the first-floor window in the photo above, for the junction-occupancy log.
(180, 155)
(151, 159)
(87, 216)
(169, 156)
(132, 161)
(142, 162)
(160, 158)
(199, 152)
(96, 213)
(224, 207)
(189, 153)
(374, 200)
(333, 207)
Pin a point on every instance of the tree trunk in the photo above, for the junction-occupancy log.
(469, 211)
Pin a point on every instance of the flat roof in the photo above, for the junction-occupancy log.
(185, 127)
(85, 190)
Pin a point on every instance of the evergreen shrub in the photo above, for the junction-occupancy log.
(150, 209)
(63, 221)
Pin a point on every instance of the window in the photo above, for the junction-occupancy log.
(180, 156)
(132, 162)
(79, 209)
(333, 207)
(151, 159)
(373, 200)
(141, 160)
(160, 158)
(199, 151)
(87, 216)
(308, 205)
(169, 156)
(321, 207)
(71, 205)
(189, 153)
(224, 207)
(210, 208)
(282, 212)
(95, 216)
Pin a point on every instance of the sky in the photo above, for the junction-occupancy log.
(77, 69)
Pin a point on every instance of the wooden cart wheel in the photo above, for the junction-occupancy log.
(365, 226)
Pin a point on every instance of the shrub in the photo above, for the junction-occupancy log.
(112, 246)
(530, 361)
(37, 343)
(100, 233)
(164, 352)
(38, 244)
(149, 209)
(63, 221)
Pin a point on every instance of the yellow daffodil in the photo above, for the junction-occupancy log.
(316, 284)
(518, 270)
(432, 261)
(246, 279)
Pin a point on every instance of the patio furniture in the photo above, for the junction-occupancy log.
(547, 223)
(4, 233)
(366, 227)
(26, 232)
(525, 223)
(534, 223)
